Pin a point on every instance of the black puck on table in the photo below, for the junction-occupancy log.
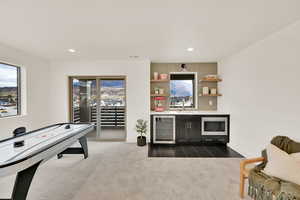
(19, 131)
(67, 126)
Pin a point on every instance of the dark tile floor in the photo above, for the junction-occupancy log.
(198, 151)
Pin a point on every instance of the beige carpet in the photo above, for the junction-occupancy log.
(109, 134)
(117, 171)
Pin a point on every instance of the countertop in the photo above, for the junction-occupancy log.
(188, 112)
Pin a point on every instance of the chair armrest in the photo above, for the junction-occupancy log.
(245, 162)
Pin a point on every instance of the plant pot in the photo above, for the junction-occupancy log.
(141, 140)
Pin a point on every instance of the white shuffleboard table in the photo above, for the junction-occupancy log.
(23, 154)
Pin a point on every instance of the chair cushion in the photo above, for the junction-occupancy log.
(282, 165)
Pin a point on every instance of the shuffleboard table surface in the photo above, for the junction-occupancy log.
(24, 153)
(36, 141)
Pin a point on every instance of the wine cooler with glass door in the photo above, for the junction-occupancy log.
(164, 129)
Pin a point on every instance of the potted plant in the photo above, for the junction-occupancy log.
(141, 128)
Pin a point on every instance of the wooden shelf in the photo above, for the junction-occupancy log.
(210, 80)
(159, 95)
(160, 81)
(210, 95)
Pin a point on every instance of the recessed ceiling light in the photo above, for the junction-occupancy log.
(190, 49)
(72, 50)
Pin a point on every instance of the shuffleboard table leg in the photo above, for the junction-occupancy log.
(83, 143)
(59, 156)
(22, 182)
(76, 150)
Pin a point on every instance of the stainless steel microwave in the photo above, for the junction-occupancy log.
(214, 126)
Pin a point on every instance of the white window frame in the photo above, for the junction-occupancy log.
(195, 90)
(21, 76)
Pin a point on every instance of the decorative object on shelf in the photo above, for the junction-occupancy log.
(205, 90)
(155, 76)
(158, 103)
(213, 91)
(163, 76)
(161, 91)
(183, 68)
(156, 91)
(211, 77)
(141, 128)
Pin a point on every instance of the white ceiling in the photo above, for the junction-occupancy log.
(159, 30)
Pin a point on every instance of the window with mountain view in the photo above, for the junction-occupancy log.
(182, 91)
(9, 90)
(112, 92)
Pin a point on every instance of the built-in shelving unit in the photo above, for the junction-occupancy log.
(210, 83)
(160, 100)
(206, 77)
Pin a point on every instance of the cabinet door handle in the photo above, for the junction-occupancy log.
(188, 125)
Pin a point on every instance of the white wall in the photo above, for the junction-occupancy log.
(137, 88)
(261, 90)
(34, 91)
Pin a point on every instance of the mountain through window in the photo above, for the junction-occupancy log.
(9, 90)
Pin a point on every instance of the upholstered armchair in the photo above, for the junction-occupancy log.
(244, 172)
(275, 175)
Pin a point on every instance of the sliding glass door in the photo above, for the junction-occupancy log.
(84, 100)
(112, 109)
(102, 101)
